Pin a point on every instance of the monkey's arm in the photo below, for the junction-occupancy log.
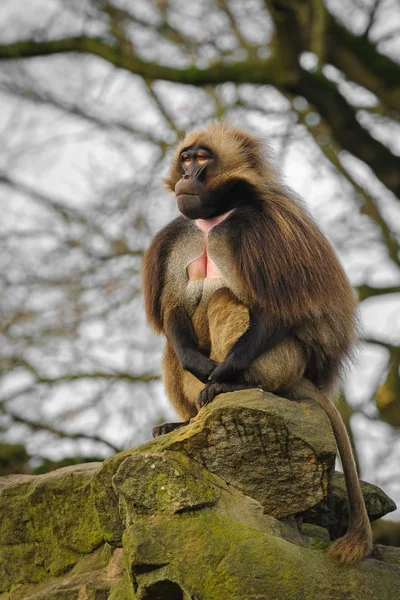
(258, 338)
(180, 333)
(154, 268)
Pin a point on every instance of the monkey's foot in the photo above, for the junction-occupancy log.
(208, 394)
(167, 427)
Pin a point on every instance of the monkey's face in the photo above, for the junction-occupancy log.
(216, 170)
(191, 189)
(195, 191)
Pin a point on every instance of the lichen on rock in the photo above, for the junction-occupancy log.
(209, 511)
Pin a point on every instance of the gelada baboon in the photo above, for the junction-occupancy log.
(249, 293)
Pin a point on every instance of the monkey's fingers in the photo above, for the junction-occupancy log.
(208, 394)
(199, 365)
(229, 370)
(211, 390)
(167, 427)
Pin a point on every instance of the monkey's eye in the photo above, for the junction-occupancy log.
(185, 159)
(202, 159)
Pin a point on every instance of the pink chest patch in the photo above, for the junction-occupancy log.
(203, 267)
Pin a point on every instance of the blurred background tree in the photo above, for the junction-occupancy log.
(93, 95)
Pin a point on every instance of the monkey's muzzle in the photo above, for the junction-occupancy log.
(189, 192)
(190, 206)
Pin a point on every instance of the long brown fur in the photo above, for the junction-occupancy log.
(273, 259)
(281, 370)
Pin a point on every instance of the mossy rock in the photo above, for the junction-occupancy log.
(184, 516)
(279, 452)
(46, 523)
(333, 512)
(208, 556)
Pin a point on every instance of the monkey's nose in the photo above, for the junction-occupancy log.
(186, 176)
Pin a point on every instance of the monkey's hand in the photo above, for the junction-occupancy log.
(229, 370)
(257, 338)
(181, 335)
(211, 390)
(199, 365)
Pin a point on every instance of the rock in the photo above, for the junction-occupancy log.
(333, 512)
(46, 523)
(184, 517)
(230, 549)
(96, 576)
(279, 452)
(210, 557)
(172, 484)
(168, 483)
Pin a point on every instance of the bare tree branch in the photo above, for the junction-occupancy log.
(367, 291)
(42, 426)
(369, 206)
(255, 71)
(362, 63)
(314, 86)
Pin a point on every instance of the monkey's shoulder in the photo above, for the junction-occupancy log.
(164, 267)
(172, 239)
(280, 262)
(174, 231)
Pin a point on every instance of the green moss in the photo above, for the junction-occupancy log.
(231, 560)
(122, 590)
(187, 532)
(46, 524)
(167, 483)
(316, 537)
(94, 577)
(210, 556)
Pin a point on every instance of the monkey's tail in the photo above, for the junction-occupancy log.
(357, 542)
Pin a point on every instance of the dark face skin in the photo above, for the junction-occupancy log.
(196, 198)
(191, 190)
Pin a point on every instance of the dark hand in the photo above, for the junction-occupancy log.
(229, 370)
(211, 390)
(199, 365)
(208, 394)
